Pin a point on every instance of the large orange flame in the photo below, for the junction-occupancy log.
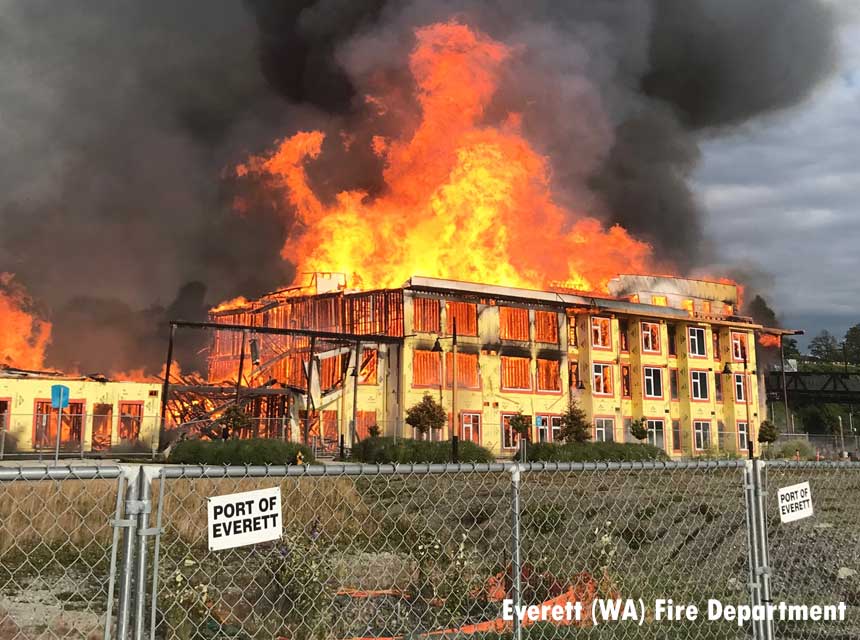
(462, 200)
(23, 335)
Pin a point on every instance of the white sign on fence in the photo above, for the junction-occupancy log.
(238, 519)
(795, 502)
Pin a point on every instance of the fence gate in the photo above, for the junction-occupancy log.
(58, 550)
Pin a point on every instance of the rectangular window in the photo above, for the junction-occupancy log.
(467, 370)
(604, 429)
(130, 417)
(739, 346)
(740, 388)
(543, 433)
(466, 314)
(672, 338)
(548, 375)
(743, 437)
(687, 305)
(655, 433)
(699, 385)
(697, 342)
(653, 377)
(602, 382)
(366, 419)
(368, 368)
(673, 384)
(601, 333)
(573, 371)
(706, 307)
(650, 337)
(509, 437)
(471, 427)
(571, 332)
(331, 371)
(625, 381)
(513, 324)
(623, 337)
(546, 327)
(515, 374)
(555, 428)
(702, 434)
(659, 301)
(676, 436)
(715, 338)
(426, 369)
(102, 426)
(718, 386)
(426, 314)
(329, 425)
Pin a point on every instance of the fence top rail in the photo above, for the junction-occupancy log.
(804, 464)
(351, 469)
(62, 472)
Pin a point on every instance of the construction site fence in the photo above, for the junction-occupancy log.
(426, 550)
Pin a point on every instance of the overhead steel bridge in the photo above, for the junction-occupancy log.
(835, 387)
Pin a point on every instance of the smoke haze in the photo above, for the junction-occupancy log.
(118, 120)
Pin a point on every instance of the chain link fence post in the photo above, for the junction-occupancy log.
(143, 533)
(516, 563)
(129, 523)
(752, 521)
(763, 570)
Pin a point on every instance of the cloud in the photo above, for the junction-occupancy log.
(781, 192)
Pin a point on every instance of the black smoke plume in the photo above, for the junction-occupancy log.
(119, 119)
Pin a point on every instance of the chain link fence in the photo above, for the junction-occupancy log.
(57, 550)
(423, 551)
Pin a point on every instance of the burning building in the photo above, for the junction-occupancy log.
(101, 414)
(672, 351)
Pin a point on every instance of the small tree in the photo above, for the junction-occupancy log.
(767, 432)
(235, 419)
(639, 429)
(575, 426)
(520, 425)
(426, 415)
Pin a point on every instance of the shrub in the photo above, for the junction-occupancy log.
(786, 449)
(594, 451)
(253, 451)
(386, 451)
(575, 425)
(426, 415)
(767, 432)
(639, 429)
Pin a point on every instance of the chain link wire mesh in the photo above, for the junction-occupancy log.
(384, 552)
(370, 555)
(420, 551)
(816, 561)
(635, 531)
(56, 543)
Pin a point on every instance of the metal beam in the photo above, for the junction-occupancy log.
(324, 335)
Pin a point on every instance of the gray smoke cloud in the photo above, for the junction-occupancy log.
(118, 120)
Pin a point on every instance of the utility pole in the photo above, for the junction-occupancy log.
(454, 420)
(788, 424)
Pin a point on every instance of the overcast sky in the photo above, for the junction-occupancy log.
(783, 195)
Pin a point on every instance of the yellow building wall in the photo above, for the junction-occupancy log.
(22, 395)
(392, 398)
(489, 400)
